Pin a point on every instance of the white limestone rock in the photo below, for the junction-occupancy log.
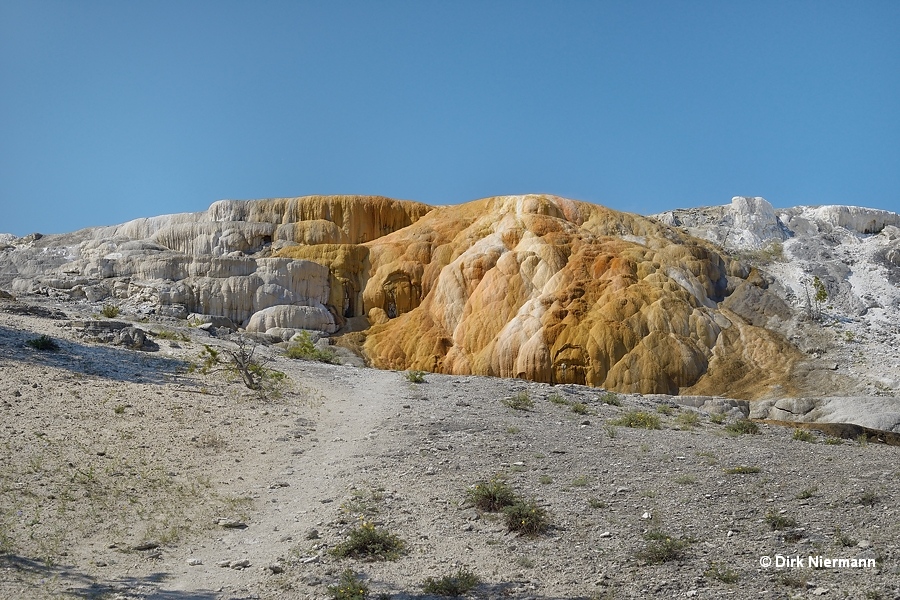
(292, 317)
(747, 223)
(856, 218)
(875, 412)
(754, 222)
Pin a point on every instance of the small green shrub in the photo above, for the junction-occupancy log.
(721, 573)
(638, 419)
(708, 457)
(364, 503)
(457, 584)
(349, 587)
(168, 334)
(545, 480)
(807, 493)
(119, 409)
(778, 521)
(661, 547)
(415, 376)
(579, 408)
(687, 419)
(610, 430)
(525, 562)
(525, 517)
(370, 543)
(742, 426)
(665, 409)
(742, 470)
(685, 479)
(305, 349)
(868, 498)
(610, 399)
(596, 503)
(557, 398)
(110, 311)
(717, 418)
(843, 539)
(493, 495)
(580, 481)
(773, 252)
(45, 343)
(521, 401)
(793, 580)
(834, 441)
(803, 435)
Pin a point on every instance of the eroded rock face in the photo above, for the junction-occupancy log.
(536, 287)
(746, 223)
(553, 290)
(873, 412)
(216, 262)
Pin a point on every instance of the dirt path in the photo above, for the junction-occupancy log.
(296, 492)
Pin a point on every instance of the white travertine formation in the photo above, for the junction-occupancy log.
(855, 218)
(746, 223)
(292, 317)
(875, 412)
(533, 286)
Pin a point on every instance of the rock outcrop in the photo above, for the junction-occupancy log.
(535, 287)
(878, 413)
(745, 223)
(217, 262)
(554, 290)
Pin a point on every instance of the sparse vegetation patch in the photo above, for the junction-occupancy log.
(661, 547)
(611, 399)
(304, 349)
(456, 584)
(638, 419)
(721, 573)
(803, 435)
(525, 517)
(415, 376)
(168, 334)
(244, 363)
(579, 408)
(493, 495)
(349, 587)
(557, 398)
(520, 401)
(45, 343)
(807, 493)
(367, 542)
(110, 311)
(742, 427)
(687, 419)
(778, 521)
(742, 470)
(868, 498)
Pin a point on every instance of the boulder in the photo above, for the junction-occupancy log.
(292, 317)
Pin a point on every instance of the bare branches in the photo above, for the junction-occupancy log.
(244, 363)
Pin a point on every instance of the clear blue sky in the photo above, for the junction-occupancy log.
(112, 110)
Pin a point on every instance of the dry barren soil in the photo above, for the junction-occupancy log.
(124, 475)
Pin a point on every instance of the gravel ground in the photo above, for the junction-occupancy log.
(124, 475)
